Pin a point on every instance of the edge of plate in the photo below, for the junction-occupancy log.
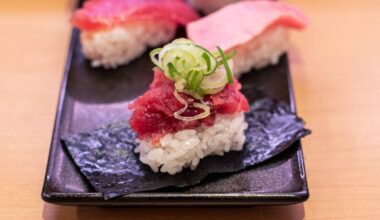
(58, 115)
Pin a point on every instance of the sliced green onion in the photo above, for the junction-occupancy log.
(180, 84)
(182, 41)
(230, 55)
(197, 94)
(194, 79)
(204, 114)
(153, 57)
(208, 61)
(172, 70)
(179, 98)
(211, 59)
(206, 110)
(195, 71)
(182, 101)
(215, 82)
(226, 66)
(178, 61)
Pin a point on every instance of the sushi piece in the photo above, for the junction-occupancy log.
(105, 156)
(210, 5)
(259, 35)
(115, 32)
(192, 109)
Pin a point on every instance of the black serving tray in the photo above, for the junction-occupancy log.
(92, 97)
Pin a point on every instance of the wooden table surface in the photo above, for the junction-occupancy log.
(336, 72)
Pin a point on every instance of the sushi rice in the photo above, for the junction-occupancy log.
(187, 147)
(122, 44)
(262, 51)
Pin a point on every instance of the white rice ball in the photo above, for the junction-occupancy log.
(187, 147)
(264, 50)
(122, 44)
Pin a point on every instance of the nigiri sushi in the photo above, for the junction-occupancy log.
(256, 30)
(193, 108)
(114, 32)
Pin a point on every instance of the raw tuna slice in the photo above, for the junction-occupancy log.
(103, 14)
(115, 32)
(153, 112)
(239, 23)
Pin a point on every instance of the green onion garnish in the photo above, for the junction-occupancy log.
(208, 61)
(153, 57)
(196, 72)
(195, 78)
(172, 70)
(229, 56)
(226, 66)
(203, 72)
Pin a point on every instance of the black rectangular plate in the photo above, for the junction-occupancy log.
(91, 97)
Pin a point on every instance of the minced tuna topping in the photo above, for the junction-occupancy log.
(153, 112)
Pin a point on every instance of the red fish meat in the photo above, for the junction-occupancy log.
(153, 112)
(102, 14)
(241, 22)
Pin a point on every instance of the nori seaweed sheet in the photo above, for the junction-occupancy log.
(106, 158)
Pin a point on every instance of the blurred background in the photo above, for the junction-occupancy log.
(335, 69)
